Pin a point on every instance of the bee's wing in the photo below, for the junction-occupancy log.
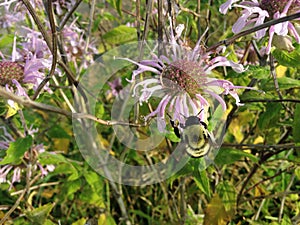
(212, 138)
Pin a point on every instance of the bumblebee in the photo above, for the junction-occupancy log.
(194, 135)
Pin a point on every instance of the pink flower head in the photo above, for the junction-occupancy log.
(182, 80)
(13, 173)
(255, 13)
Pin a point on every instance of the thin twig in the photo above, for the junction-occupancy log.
(47, 38)
(49, 108)
(263, 147)
(38, 22)
(88, 34)
(196, 14)
(284, 197)
(270, 196)
(160, 25)
(268, 179)
(270, 100)
(68, 15)
(138, 19)
(199, 20)
(54, 50)
(18, 201)
(273, 73)
(267, 24)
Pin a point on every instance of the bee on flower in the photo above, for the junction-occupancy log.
(182, 78)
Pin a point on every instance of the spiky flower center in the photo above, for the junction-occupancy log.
(10, 71)
(188, 75)
(273, 6)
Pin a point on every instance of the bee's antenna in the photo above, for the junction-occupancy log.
(200, 112)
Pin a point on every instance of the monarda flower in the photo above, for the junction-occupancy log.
(256, 12)
(182, 80)
(10, 71)
(13, 173)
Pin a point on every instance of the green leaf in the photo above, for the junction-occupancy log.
(16, 150)
(3, 108)
(288, 59)
(46, 158)
(283, 83)
(94, 180)
(39, 215)
(228, 195)
(296, 124)
(117, 4)
(119, 35)
(57, 132)
(72, 186)
(81, 221)
(63, 165)
(270, 117)
(229, 156)
(202, 182)
(49, 222)
(297, 172)
(106, 219)
(286, 220)
(6, 41)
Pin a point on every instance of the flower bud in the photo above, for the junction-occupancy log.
(283, 42)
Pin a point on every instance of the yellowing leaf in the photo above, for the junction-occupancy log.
(81, 221)
(258, 140)
(61, 144)
(39, 215)
(215, 212)
(280, 71)
(238, 124)
(12, 110)
(106, 219)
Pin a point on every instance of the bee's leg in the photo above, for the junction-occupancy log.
(176, 131)
(175, 128)
(203, 124)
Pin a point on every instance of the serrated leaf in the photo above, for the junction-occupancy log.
(202, 182)
(57, 132)
(296, 124)
(297, 172)
(67, 168)
(289, 59)
(16, 150)
(6, 41)
(72, 186)
(39, 215)
(215, 212)
(106, 219)
(81, 221)
(49, 222)
(46, 158)
(270, 116)
(228, 195)
(93, 179)
(120, 35)
(12, 110)
(283, 83)
(3, 108)
(286, 220)
(63, 165)
(117, 4)
(229, 156)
